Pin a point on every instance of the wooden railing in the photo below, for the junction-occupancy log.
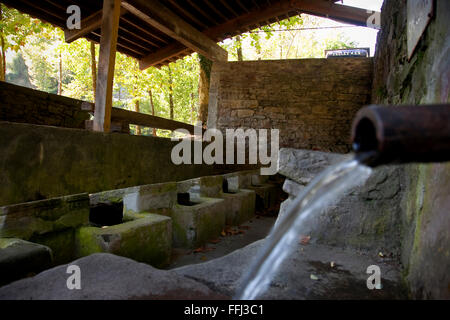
(121, 119)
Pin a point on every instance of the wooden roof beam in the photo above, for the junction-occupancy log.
(160, 17)
(267, 13)
(341, 13)
(222, 31)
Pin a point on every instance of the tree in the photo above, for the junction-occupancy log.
(18, 72)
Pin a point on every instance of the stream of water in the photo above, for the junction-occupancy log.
(323, 190)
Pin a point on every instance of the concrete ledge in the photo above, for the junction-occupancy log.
(36, 218)
(19, 258)
(146, 238)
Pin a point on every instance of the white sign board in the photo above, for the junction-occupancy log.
(419, 13)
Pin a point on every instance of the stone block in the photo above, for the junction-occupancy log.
(19, 258)
(240, 206)
(145, 238)
(266, 195)
(302, 166)
(150, 197)
(36, 218)
(194, 225)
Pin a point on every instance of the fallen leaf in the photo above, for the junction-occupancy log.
(223, 234)
(203, 249)
(313, 277)
(381, 254)
(304, 240)
(198, 250)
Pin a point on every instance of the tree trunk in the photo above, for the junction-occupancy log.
(171, 94)
(239, 49)
(2, 43)
(192, 108)
(137, 109)
(93, 69)
(153, 108)
(60, 75)
(203, 88)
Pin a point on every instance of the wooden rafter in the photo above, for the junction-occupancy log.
(160, 17)
(270, 12)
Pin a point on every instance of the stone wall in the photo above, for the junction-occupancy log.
(311, 101)
(425, 79)
(40, 162)
(21, 104)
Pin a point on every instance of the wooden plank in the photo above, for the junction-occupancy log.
(145, 120)
(89, 24)
(106, 64)
(160, 17)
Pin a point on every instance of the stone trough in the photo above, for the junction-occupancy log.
(143, 222)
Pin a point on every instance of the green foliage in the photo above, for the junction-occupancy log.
(18, 72)
(285, 40)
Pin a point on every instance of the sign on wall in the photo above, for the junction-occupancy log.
(419, 13)
(347, 53)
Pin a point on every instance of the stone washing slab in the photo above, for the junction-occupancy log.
(108, 277)
(266, 195)
(347, 279)
(303, 165)
(19, 258)
(146, 238)
(194, 225)
(241, 179)
(240, 206)
(150, 197)
(36, 218)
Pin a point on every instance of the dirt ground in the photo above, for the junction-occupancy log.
(231, 239)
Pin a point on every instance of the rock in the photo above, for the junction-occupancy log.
(302, 166)
(347, 279)
(19, 258)
(108, 277)
(365, 217)
(292, 188)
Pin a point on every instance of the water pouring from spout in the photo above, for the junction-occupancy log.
(323, 190)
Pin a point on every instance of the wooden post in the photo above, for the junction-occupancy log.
(93, 68)
(60, 74)
(106, 63)
(153, 108)
(137, 109)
